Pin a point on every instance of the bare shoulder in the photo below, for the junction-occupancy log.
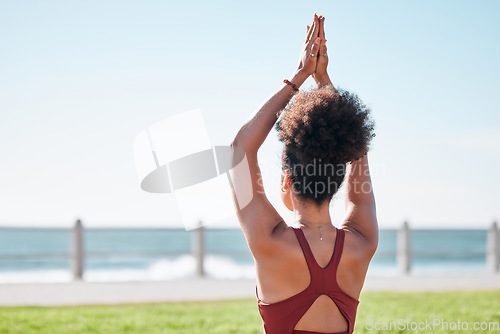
(282, 256)
(284, 237)
(356, 246)
(282, 241)
(356, 256)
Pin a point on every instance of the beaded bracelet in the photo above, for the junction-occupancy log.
(291, 84)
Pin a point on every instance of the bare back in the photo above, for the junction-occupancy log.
(285, 273)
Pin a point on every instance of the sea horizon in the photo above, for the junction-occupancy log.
(42, 254)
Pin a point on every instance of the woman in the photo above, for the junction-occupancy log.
(310, 273)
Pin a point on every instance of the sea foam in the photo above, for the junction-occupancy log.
(217, 267)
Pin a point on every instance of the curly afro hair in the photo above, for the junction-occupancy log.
(322, 130)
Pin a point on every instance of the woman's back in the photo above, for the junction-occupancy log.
(284, 285)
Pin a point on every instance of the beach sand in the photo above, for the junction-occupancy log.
(84, 293)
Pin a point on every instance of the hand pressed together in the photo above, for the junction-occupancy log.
(313, 57)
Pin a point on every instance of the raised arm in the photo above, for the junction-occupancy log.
(360, 204)
(255, 130)
(258, 218)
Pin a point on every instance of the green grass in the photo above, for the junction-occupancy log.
(450, 307)
(241, 316)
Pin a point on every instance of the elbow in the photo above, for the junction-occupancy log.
(236, 143)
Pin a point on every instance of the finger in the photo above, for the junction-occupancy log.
(310, 31)
(315, 47)
(307, 33)
(315, 29)
(322, 28)
(322, 51)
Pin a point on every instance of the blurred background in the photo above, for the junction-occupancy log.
(79, 80)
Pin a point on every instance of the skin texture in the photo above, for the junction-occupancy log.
(281, 268)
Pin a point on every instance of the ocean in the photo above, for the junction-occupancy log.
(135, 254)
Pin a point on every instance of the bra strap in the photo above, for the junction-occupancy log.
(309, 257)
(339, 247)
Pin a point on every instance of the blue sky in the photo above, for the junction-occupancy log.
(79, 80)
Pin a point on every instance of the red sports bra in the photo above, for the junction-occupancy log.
(281, 317)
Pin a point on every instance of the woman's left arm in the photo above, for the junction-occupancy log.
(255, 130)
(258, 218)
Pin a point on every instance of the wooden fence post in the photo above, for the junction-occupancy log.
(198, 248)
(492, 253)
(77, 252)
(403, 256)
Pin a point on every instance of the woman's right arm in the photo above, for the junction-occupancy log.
(361, 216)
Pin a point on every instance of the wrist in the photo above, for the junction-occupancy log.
(321, 79)
(299, 77)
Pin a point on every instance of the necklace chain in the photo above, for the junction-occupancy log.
(318, 226)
